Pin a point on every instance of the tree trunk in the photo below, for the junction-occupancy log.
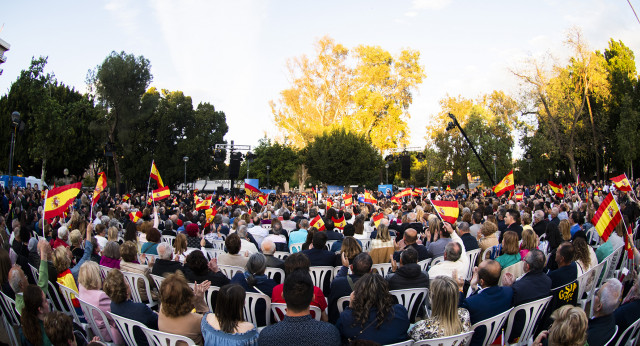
(572, 166)
(43, 173)
(428, 174)
(594, 143)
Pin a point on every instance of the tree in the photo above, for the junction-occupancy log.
(56, 124)
(339, 157)
(119, 83)
(487, 122)
(367, 92)
(282, 160)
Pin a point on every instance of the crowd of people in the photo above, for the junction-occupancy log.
(528, 249)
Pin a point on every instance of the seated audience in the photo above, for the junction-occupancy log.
(111, 255)
(569, 328)
(198, 270)
(268, 249)
(408, 274)
(567, 269)
(35, 307)
(629, 311)
(164, 262)
(605, 302)
(510, 250)
(350, 248)
(153, 239)
(129, 263)
(254, 278)
(455, 257)
(446, 317)
(410, 237)
(233, 257)
(342, 285)
(227, 325)
(59, 328)
(317, 253)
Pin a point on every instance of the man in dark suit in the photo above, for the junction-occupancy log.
(539, 223)
(554, 215)
(469, 241)
(409, 274)
(512, 220)
(164, 263)
(533, 285)
(488, 301)
(414, 223)
(605, 302)
(567, 269)
(268, 248)
(342, 285)
(318, 255)
(410, 238)
(329, 228)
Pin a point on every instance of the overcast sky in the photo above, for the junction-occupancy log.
(233, 53)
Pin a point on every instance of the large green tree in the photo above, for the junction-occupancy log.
(282, 160)
(339, 157)
(119, 83)
(56, 124)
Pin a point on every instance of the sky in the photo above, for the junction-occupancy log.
(233, 54)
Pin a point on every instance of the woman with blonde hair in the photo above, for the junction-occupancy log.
(569, 328)
(90, 290)
(565, 230)
(112, 234)
(487, 237)
(383, 239)
(180, 247)
(446, 317)
(75, 238)
(350, 248)
(529, 241)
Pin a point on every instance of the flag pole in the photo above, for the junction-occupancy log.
(149, 182)
(44, 209)
(436, 209)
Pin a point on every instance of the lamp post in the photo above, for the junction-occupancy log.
(386, 167)
(268, 185)
(494, 157)
(66, 175)
(186, 158)
(529, 159)
(15, 121)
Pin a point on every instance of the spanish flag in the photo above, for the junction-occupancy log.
(204, 203)
(318, 223)
(404, 193)
(126, 197)
(448, 210)
(628, 246)
(160, 193)
(134, 217)
(210, 214)
(100, 186)
(557, 189)
(607, 217)
(396, 200)
(377, 219)
(262, 199)
(519, 196)
(155, 174)
(571, 190)
(309, 200)
(250, 189)
(229, 202)
(339, 223)
(448, 188)
(348, 200)
(506, 184)
(622, 183)
(537, 188)
(417, 192)
(329, 203)
(58, 199)
(369, 199)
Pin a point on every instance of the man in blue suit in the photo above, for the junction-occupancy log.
(487, 300)
(318, 255)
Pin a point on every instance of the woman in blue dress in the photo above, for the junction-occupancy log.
(226, 327)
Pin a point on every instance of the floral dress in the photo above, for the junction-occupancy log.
(430, 328)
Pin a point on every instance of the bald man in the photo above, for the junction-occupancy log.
(487, 299)
(410, 237)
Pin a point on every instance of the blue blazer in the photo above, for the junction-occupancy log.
(489, 302)
(320, 257)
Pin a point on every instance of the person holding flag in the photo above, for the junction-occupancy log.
(506, 184)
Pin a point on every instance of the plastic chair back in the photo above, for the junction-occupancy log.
(437, 260)
(104, 271)
(532, 311)
(343, 303)
(156, 337)
(9, 307)
(90, 312)
(69, 295)
(230, 271)
(630, 335)
(322, 277)
(297, 247)
(412, 299)
(279, 311)
(276, 274)
(473, 257)
(382, 268)
(492, 326)
(132, 279)
(169, 239)
(453, 340)
(126, 328)
(424, 264)
(250, 308)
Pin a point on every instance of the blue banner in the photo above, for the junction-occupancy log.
(17, 181)
(266, 191)
(335, 189)
(385, 187)
(253, 182)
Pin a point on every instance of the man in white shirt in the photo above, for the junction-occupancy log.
(455, 257)
(245, 244)
(257, 231)
(287, 223)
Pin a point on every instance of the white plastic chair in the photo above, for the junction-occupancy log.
(343, 302)
(319, 276)
(486, 252)
(156, 337)
(382, 268)
(492, 326)
(68, 294)
(613, 337)
(55, 299)
(453, 340)
(157, 280)
(366, 245)
(132, 279)
(230, 271)
(281, 254)
(279, 309)
(90, 312)
(169, 239)
(104, 271)
(250, 302)
(631, 334)
(126, 328)
(210, 253)
(218, 244)
(276, 274)
(35, 272)
(411, 299)
(329, 244)
(612, 263)
(437, 260)
(9, 306)
(402, 343)
(208, 296)
(296, 246)
(424, 264)
(473, 257)
(144, 258)
(532, 312)
(11, 331)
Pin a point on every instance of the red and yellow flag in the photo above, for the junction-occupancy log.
(557, 189)
(155, 174)
(250, 189)
(59, 198)
(369, 199)
(100, 186)
(339, 223)
(404, 193)
(135, 216)
(607, 217)
(448, 188)
(262, 199)
(126, 197)
(519, 196)
(537, 188)
(396, 200)
(329, 203)
(210, 214)
(377, 219)
(318, 223)
(571, 190)
(627, 244)
(622, 183)
(448, 210)
(506, 184)
(204, 203)
(348, 200)
(229, 202)
(160, 193)
(417, 192)
(309, 200)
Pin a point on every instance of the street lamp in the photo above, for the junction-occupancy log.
(15, 121)
(66, 175)
(529, 159)
(386, 166)
(268, 185)
(494, 157)
(186, 158)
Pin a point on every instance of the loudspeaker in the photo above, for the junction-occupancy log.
(234, 169)
(406, 167)
(220, 191)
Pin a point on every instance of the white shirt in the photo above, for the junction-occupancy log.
(445, 268)
(246, 245)
(258, 233)
(102, 241)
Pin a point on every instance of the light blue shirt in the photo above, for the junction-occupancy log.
(299, 236)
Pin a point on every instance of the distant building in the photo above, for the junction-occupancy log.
(4, 46)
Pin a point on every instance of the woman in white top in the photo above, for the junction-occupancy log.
(359, 226)
(383, 239)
